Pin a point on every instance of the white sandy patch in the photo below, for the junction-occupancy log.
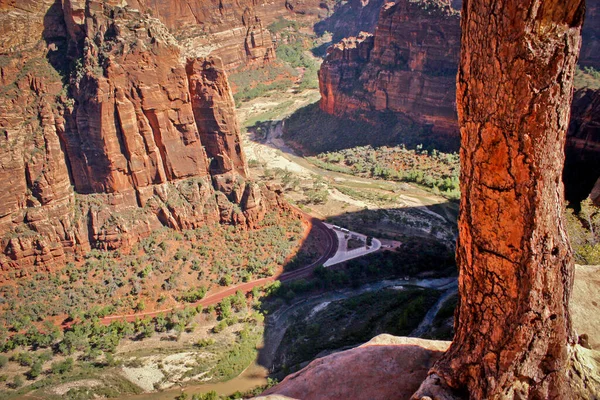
(316, 309)
(145, 377)
(337, 195)
(63, 389)
(273, 158)
(163, 370)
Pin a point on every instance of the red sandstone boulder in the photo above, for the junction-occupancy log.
(387, 367)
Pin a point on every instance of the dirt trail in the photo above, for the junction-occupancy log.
(314, 223)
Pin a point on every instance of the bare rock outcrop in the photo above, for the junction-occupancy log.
(234, 31)
(582, 164)
(103, 136)
(387, 367)
(408, 66)
(590, 46)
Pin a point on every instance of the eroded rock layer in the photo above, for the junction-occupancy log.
(103, 135)
(582, 164)
(408, 66)
(350, 18)
(387, 367)
(590, 46)
(235, 31)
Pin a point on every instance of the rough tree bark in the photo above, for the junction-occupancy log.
(513, 331)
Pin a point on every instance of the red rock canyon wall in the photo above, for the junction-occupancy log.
(115, 147)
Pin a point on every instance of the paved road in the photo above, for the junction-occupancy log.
(331, 247)
(343, 254)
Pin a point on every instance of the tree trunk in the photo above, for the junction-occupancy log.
(513, 331)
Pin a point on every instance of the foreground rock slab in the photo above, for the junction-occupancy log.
(387, 367)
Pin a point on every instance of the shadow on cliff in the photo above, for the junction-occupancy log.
(410, 252)
(313, 131)
(350, 18)
(57, 40)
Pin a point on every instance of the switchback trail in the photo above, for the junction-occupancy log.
(331, 246)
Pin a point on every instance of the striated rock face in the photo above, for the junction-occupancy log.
(214, 112)
(387, 367)
(120, 151)
(235, 31)
(350, 18)
(132, 124)
(219, 14)
(582, 164)
(408, 66)
(590, 46)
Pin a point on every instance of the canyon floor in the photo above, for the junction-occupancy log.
(412, 214)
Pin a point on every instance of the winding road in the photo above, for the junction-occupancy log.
(331, 247)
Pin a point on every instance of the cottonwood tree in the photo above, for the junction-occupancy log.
(513, 335)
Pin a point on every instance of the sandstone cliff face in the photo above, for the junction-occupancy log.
(121, 150)
(408, 66)
(350, 18)
(214, 112)
(582, 165)
(590, 46)
(235, 31)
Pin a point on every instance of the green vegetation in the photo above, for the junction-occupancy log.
(415, 256)
(315, 132)
(353, 321)
(283, 24)
(584, 232)
(212, 395)
(297, 55)
(366, 195)
(587, 77)
(295, 67)
(432, 169)
(165, 267)
(318, 194)
(90, 346)
(193, 295)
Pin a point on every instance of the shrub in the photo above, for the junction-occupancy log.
(62, 367)
(193, 295)
(35, 371)
(17, 382)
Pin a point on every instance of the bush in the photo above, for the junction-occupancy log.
(204, 342)
(219, 327)
(35, 371)
(17, 382)
(25, 359)
(584, 232)
(193, 295)
(62, 367)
